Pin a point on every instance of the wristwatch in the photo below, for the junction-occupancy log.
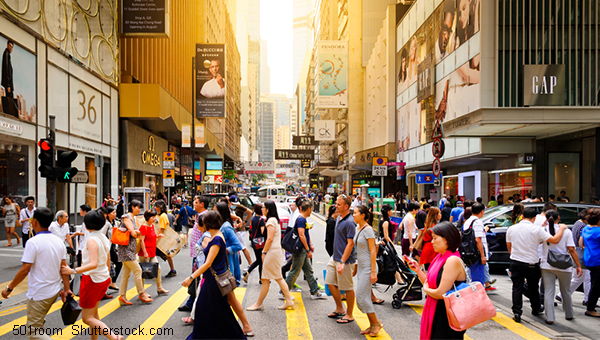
(191, 278)
(74, 271)
(264, 252)
(8, 289)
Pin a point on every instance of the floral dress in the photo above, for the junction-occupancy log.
(127, 253)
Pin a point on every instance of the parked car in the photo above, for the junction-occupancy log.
(285, 213)
(213, 198)
(498, 219)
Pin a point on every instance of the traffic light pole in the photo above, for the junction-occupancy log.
(52, 182)
(193, 132)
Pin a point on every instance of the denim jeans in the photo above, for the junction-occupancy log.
(302, 262)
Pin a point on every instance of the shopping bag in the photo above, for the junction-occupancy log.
(70, 311)
(468, 307)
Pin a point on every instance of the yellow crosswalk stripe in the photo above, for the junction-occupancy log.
(13, 310)
(517, 328)
(239, 294)
(419, 310)
(362, 320)
(78, 327)
(9, 327)
(297, 320)
(153, 325)
(19, 289)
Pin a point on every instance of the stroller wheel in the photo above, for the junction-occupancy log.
(396, 304)
(395, 296)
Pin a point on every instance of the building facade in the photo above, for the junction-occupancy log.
(516, 96)
(266, 147)
(59, 69)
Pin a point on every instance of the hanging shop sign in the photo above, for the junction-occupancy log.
(332, 74)
(294, 154)
(304, 140)
(324, 130)
(259, 168)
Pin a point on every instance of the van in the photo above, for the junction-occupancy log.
(275, 193)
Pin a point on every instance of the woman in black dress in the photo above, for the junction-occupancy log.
(330, 230)
(445, 270)
(214, 318)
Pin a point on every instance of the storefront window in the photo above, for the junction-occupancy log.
(563, 174)
(451, 186)
(151, 183)
(510, 182)
(91, 188)
(14, 172)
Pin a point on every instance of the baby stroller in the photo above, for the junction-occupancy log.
(389, 263)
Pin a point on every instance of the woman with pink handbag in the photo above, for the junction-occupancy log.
(445, 271)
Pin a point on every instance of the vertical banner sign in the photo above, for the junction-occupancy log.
(210, 82)
(332, 74)
(199, 135)
(324, 130)
(186, 136)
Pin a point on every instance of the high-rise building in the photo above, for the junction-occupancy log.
(265, 70)
(267, 129)
(303, 13)
(283, 109)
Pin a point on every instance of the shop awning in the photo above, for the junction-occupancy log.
(538, 122)
(333, 173)
(159, 112)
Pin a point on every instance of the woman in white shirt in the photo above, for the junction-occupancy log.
(95, 277)
(550, 273)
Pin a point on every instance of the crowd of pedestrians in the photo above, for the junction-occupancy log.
(542, 251)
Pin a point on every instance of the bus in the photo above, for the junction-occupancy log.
(275, 193)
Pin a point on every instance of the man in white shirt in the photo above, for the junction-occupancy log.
(24, 217)
(60, 227)
(527, 198)
(478, 269)
(522, 241)
(42, 259)
(409, 227)
(214, 88)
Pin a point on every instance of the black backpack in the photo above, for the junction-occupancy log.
(468, 250)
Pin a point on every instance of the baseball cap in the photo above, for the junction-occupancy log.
(233, 199)
(459, 203)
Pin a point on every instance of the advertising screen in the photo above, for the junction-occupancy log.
(214, 165)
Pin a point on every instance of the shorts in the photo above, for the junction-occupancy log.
(160, 254)
(241, 235)
(344, 280)
(90, 293)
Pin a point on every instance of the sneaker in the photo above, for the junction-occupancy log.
(321, 287)
(296, 290)
(318, 296)
(493, 281)
(245, 277)
(558, 298)
(490, 288)
(280, 296)
(172, 273)
(297, 287)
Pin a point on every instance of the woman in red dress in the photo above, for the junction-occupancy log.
(427, 253)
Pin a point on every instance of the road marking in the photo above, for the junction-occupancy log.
(13, 310)
(9, 327)
(362, 320)
(518, 328)
(297, 321)
(239, 295)
(160, 316)
(11, 255)
(20, 288)
(419, 310)
(17, 250)
(78, 327)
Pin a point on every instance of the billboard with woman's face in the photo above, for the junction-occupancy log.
(18, 86)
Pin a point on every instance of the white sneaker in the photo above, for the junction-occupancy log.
(296, 290)
(280, 296)
(318, 296)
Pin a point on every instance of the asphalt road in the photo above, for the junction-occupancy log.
(308, 321)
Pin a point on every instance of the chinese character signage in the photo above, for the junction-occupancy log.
(304, 140)
(211, 84)
(294, 154)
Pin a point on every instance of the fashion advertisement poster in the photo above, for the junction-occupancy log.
(460, 92)
(409, 126)
(18, 85)
(332, 74)
(210, 81)
(459, 21)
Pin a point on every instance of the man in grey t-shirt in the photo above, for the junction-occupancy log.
(341, 264)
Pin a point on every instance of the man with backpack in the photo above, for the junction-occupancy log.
(474, 237)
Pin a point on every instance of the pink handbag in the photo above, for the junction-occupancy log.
(468, 307)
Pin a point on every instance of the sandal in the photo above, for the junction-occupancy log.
(366, 331)
(373, 334)
(378, 302)
(188, 320)
(335, 315)
(8, 245)
(344, 321)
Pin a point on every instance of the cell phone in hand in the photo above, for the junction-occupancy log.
(409, 260)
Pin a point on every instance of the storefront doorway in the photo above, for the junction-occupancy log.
(563, 174)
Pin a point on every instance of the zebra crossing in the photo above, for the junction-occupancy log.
(161, 320)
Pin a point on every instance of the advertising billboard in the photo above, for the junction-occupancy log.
(214, 165)
(18, 85)
(211, 86)
(332, 74)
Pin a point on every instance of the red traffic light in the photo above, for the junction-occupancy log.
(44, 145)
